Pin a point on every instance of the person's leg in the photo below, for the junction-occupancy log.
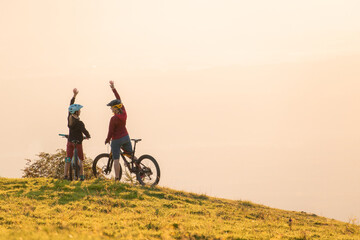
(69, 155)
(117, 169)
(115, 149)
(66, 169)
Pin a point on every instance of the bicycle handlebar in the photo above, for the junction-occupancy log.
(64, 135)
(67, 136)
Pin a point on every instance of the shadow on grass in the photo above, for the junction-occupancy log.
(154, 194)
(178, 196)
(76, 194)
(65, 191)
(60, 188)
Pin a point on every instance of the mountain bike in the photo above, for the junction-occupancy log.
(145, 168)
(74, 170)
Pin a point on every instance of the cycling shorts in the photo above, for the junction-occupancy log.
(124, 143)
(70, 150)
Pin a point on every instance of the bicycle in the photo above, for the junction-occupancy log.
(146, 168)
(75, 161)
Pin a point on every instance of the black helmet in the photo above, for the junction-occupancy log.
(114, 102)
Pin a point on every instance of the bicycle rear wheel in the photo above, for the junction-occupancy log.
(149, 171)
(102, 169)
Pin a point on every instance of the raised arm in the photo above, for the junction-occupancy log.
(70, 120)
(114, 90)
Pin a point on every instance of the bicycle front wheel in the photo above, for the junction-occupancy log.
(76, 168)
(102, 169)
(149, 171)
(71, 172)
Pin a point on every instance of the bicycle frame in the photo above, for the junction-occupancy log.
(127, 164)
(145, 167)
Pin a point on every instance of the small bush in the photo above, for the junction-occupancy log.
(52, 166)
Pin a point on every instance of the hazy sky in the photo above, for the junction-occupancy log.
(251, 100)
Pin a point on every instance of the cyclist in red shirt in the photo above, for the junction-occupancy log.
(118, 133)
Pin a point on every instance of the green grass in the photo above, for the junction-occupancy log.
(57, 209)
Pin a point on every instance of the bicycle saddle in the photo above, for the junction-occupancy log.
(75, 141)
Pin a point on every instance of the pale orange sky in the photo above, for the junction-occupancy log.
(252, 100)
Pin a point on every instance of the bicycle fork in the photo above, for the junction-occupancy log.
(109, 164)
(74, 165)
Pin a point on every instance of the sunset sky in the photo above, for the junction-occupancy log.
(250, 100)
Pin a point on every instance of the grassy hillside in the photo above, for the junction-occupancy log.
(57, 209)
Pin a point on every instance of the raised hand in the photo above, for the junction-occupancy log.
(111, 84)
(75, 91)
